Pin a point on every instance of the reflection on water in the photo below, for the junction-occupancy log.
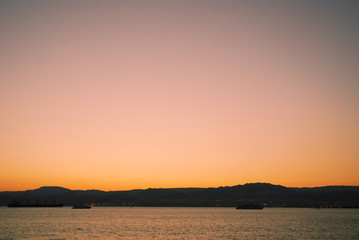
(178, 223)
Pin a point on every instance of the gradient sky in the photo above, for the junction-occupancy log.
(117, 95)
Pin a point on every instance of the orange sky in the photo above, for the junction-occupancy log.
(117, 95)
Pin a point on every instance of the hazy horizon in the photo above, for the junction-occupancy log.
(183, 187)
(138, 94)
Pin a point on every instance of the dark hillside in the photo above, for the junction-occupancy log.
(268, 194)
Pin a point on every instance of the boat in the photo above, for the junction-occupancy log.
(82, 206)
(249, 206)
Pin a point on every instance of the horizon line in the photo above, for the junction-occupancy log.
(134, 189)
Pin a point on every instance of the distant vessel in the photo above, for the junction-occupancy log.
(81, 206)
(249, 206)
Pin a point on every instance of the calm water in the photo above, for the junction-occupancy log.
(178, 223)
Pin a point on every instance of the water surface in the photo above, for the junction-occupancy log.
(178, 223)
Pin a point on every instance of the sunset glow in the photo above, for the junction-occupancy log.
(117, 95)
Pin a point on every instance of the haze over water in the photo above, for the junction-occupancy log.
(117, 95)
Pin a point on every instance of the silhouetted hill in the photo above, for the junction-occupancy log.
(268, 194)
(49, 190)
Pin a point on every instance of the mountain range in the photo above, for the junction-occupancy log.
(268, 194)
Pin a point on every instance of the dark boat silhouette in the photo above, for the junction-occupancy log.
(249, 206)
(81, 206)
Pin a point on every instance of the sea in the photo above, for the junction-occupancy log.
(178, 223)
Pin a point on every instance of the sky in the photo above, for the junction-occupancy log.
(118, 95)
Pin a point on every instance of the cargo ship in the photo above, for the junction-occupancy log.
(82, 206)
(249, 206)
